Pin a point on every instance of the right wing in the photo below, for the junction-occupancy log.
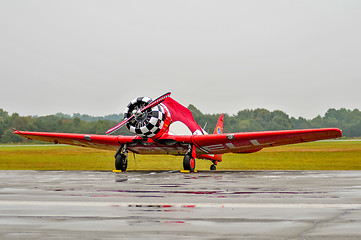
(254, 141)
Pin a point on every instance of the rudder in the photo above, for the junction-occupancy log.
(219, 125)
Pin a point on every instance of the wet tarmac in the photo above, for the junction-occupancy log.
(174, 205)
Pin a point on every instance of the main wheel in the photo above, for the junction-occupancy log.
(189, 163)
(213, 167)
(121, 162)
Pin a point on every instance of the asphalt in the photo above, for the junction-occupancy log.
(174, 205)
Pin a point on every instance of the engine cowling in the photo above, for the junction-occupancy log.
(145, 124)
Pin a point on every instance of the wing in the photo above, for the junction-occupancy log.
(178, 145)
(85, 140)
(110, 142)
(255, 141)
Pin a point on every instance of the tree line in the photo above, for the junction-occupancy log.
(261, 119)
(244, 121)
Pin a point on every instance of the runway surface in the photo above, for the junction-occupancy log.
(174, 205)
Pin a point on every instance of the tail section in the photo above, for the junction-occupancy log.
(215, 158)
(219, 125)
(218, 130)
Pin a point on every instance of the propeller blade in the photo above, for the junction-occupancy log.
(156, 101)
(121, 124)
(150, 105)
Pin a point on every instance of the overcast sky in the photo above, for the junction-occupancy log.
(93, 57)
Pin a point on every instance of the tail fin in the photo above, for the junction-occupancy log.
(219, 125)
(218, 130)
(215, 158)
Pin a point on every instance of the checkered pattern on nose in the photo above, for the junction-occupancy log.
(153, 122)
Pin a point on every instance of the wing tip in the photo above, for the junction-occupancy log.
(16, 131)
(339, 132)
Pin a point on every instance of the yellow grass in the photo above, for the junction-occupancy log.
(331, 155)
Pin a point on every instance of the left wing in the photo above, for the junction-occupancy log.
(85, 140)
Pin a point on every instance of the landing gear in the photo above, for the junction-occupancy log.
(121, 160)
(214, 166)
(189, 163)
(189, 160)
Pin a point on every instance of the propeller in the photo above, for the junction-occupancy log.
(138, 112)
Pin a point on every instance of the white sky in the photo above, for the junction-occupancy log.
(93, 57)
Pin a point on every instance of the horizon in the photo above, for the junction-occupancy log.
(71, 115)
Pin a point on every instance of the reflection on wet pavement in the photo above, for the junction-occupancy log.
(163, 205)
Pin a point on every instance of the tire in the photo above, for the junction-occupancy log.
(189, 163)
(213, 167)
(121, 162)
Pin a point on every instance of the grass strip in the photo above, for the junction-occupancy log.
(328, 155)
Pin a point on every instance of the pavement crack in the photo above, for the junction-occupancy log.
(317, 223)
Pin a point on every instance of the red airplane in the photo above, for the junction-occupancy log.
(163, 126)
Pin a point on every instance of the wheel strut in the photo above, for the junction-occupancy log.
(121, 158)
(189, 160)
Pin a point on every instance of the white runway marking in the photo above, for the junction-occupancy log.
(186, 205)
